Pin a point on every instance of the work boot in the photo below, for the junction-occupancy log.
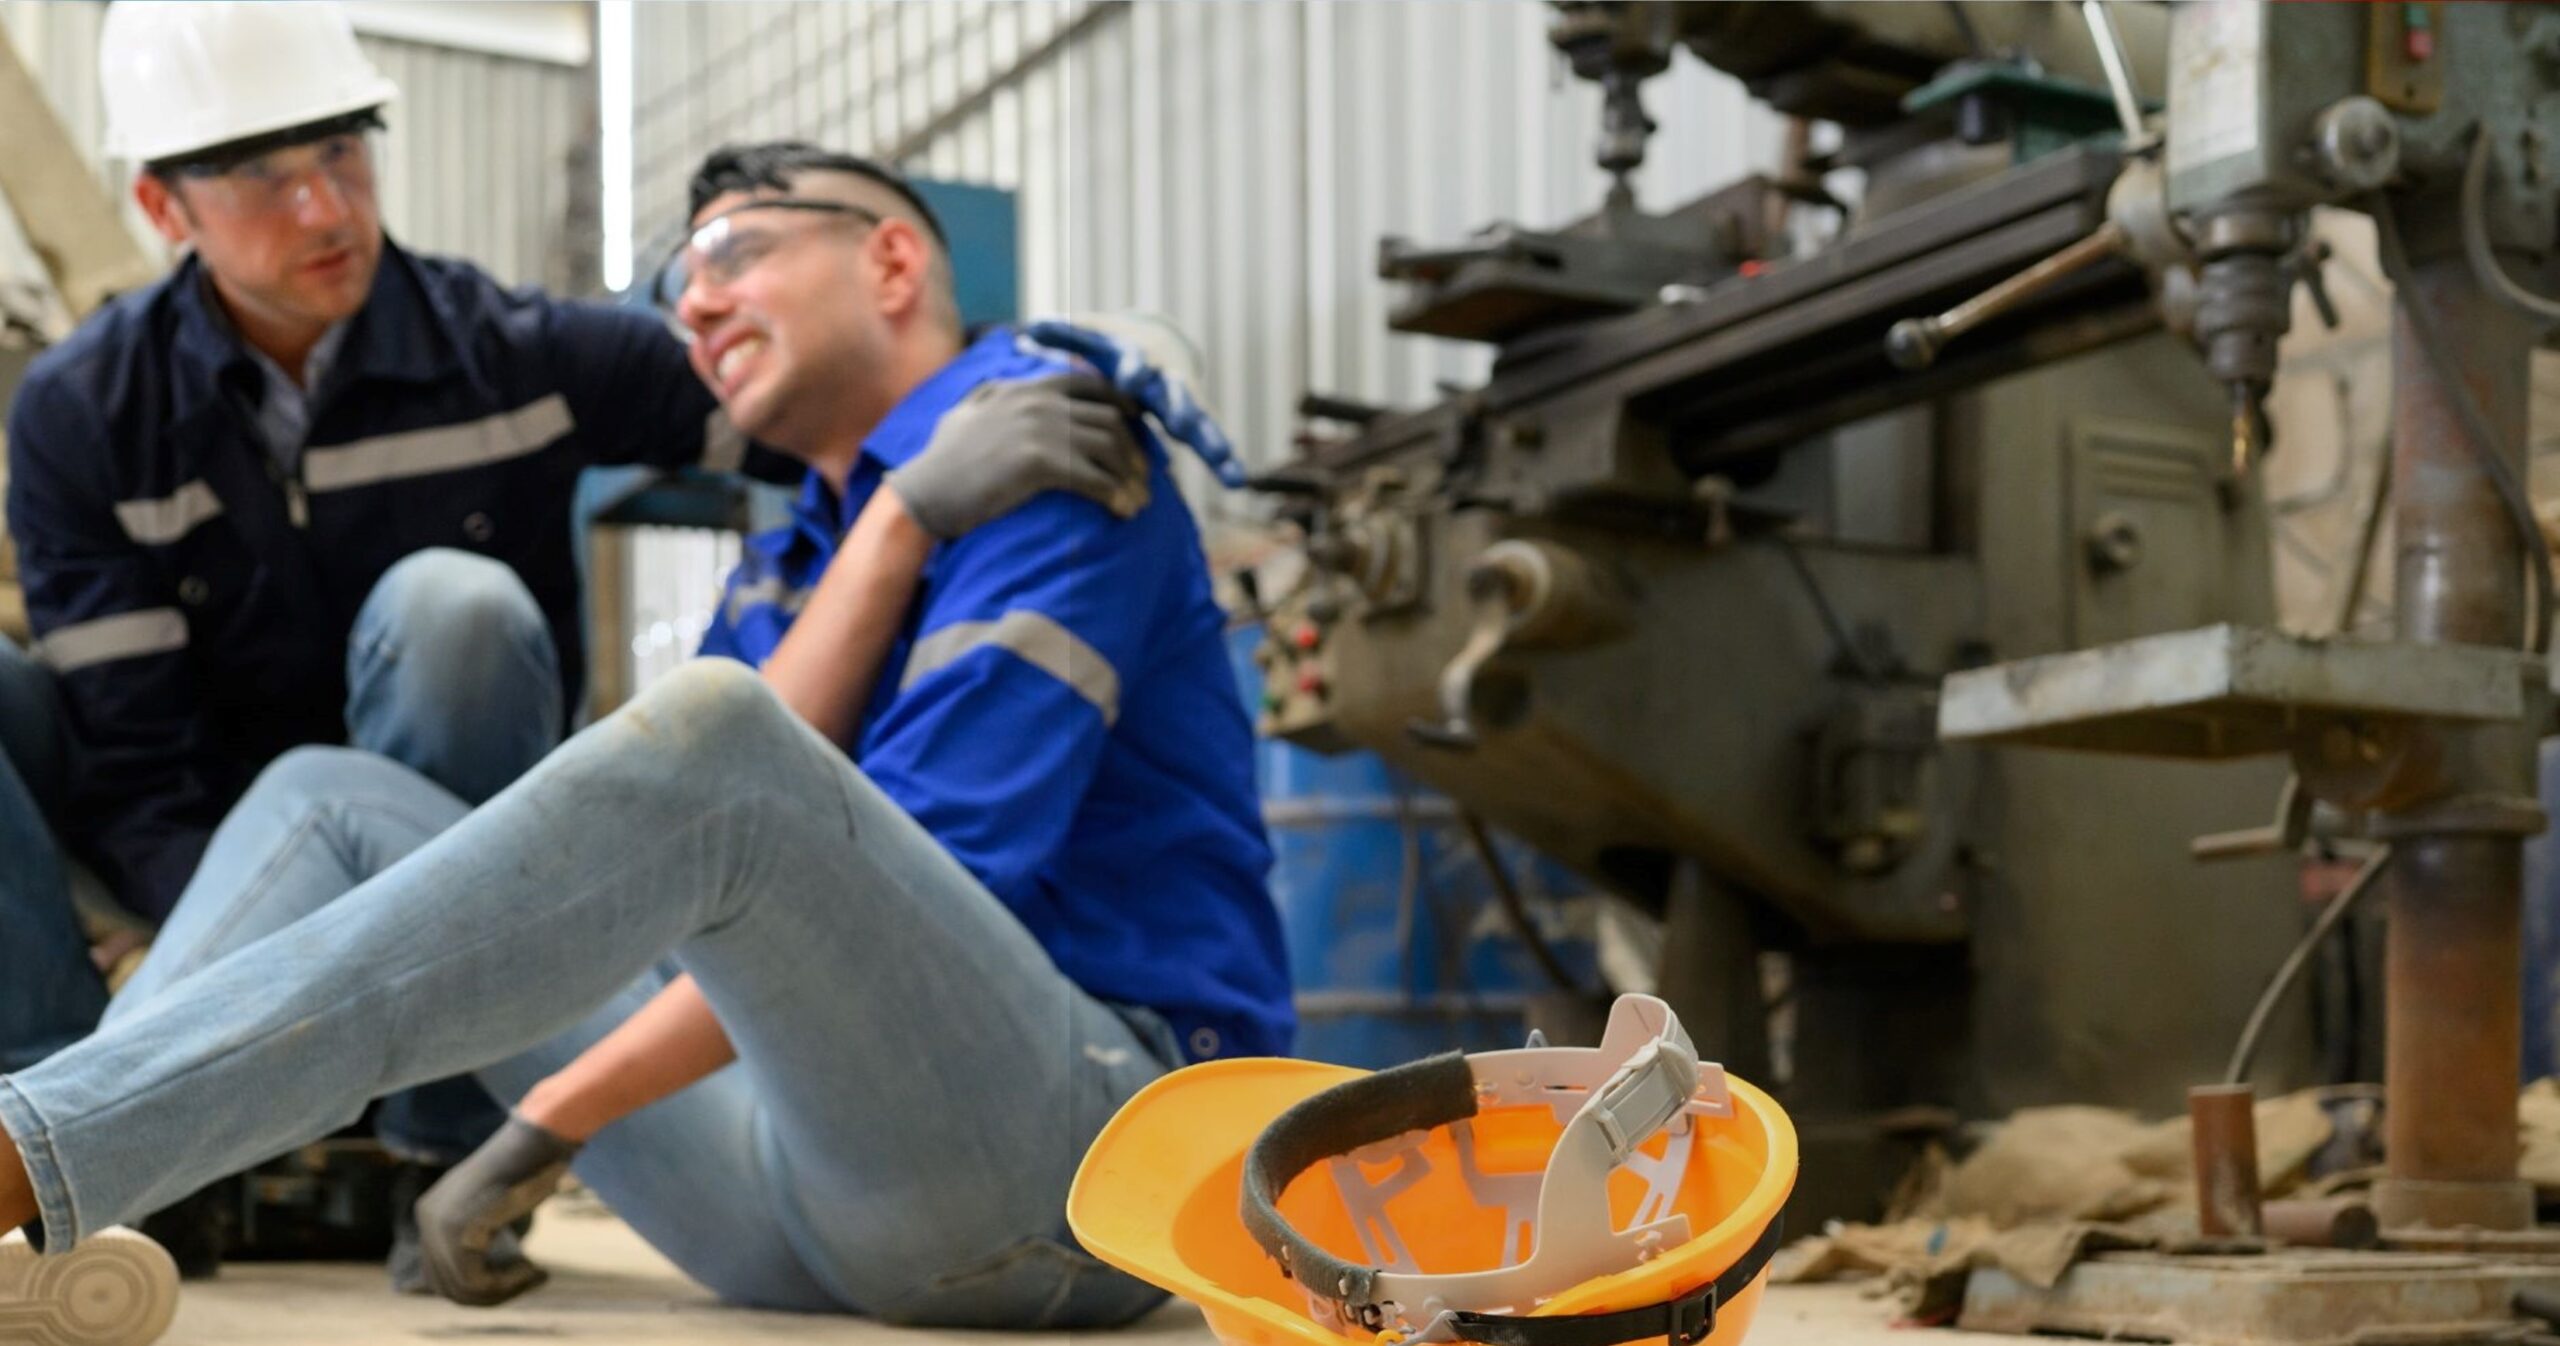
(117, 1288)
(194, 1230)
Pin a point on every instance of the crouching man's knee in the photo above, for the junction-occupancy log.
(452, 671)
(444, 595)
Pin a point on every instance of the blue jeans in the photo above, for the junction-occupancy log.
(916, 1081)
(54, 996)
(450, 669)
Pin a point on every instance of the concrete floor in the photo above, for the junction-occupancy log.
(607, 1286)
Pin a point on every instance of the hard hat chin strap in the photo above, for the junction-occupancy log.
(1685, 1321)
(1643, 1080)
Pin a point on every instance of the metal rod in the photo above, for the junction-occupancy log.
(2110, 43)
(2225, 1121)
(1914, 343)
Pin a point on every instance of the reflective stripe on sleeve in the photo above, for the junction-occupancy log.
(127, 635)
(155, 523)
(1036, 639)
(765, 593)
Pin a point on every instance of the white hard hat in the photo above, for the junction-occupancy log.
(182, 77)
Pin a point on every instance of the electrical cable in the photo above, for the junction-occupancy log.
(1517, 910)
(2368, 527)
(1971, 35)
(1408, 890)
(1849, 650)
(2483, 441)
(2245, 1052)
(2368, 530)
(2475, 239)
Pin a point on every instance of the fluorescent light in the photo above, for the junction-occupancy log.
(613, 113)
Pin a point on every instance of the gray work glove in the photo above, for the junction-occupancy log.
(1007, 442)
(458, 1218)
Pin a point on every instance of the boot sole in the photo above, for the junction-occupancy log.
(117, 1289)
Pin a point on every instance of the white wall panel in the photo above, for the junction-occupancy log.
(1229, 163)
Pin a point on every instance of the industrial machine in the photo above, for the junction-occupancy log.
(1760, 578)
(1671, 595)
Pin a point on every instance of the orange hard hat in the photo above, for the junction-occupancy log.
(1541, 1197)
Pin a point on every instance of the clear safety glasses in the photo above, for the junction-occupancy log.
(728, 245)
(281, 180)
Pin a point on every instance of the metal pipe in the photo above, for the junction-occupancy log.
(2224, 1119)
(2453, 994)
(2454, 1007)
(2460, 571)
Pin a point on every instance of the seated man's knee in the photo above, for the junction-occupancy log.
(708, 703)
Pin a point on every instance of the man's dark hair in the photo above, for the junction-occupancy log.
(775, 165)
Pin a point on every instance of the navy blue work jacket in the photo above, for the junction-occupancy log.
(195, 599)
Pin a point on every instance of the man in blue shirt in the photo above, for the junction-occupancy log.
(824, 975)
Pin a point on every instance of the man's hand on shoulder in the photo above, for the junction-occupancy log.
(1007, 442)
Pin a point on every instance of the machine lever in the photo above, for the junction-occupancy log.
(1498, 596)
(1914, 343)
(2119, 68)
(1529, 594)
(2291, 827)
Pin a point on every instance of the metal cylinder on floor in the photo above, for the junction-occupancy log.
(2322, 1222)
(2224, 1118)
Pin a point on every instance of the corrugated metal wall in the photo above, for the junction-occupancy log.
(1230, 165)
(481, 159)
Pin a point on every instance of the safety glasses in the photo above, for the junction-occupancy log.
(728, 245)
(280, 180)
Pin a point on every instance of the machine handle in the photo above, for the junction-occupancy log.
(2111, 55)
(1914, 343)
(2291, 827)
(1498, 597)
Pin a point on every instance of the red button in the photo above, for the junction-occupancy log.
(1311, 682)
(1306, 636)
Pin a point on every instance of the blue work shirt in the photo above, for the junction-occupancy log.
(193, 590)
(1058, 711)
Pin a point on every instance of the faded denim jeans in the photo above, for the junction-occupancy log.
(916, 1081)
(450, 669)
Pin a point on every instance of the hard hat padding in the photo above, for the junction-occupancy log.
(1434, 1091)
